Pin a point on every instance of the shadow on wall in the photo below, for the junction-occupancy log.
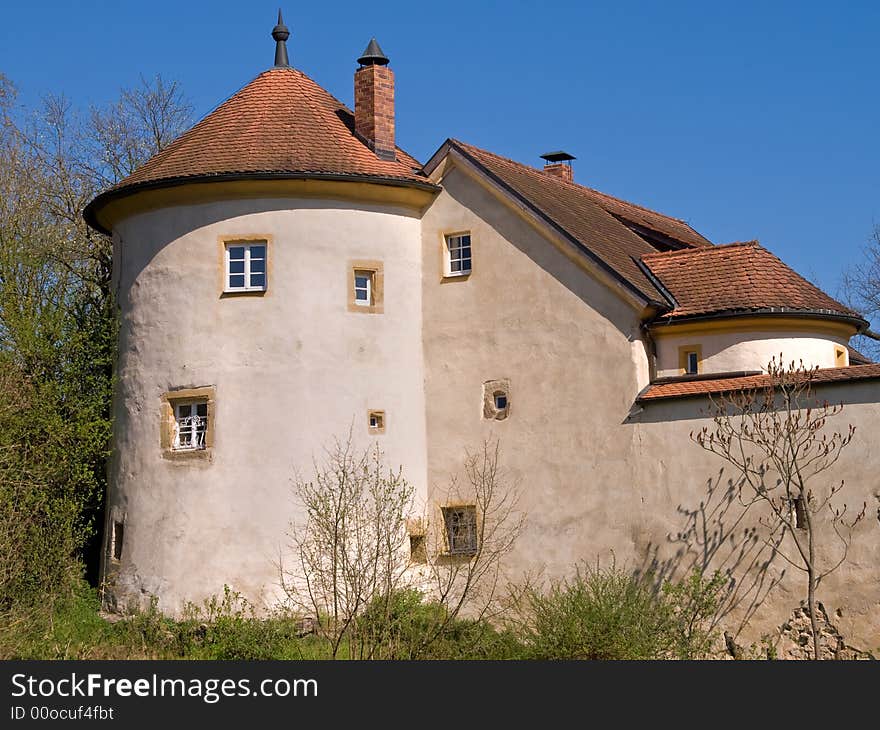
(716, 536)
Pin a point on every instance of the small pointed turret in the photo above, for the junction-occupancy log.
(373, 55)
(281, 33)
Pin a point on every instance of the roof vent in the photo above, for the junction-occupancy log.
(559, 165)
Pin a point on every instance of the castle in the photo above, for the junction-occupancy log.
(285, 272)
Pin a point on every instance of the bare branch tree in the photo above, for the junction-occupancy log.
(350, 551)
(466, 579)
(775, 437)
(353, 565)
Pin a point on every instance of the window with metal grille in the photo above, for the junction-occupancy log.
(246, 266)
(461, 529)
(363, 288)
(458, 254)
(190, 425)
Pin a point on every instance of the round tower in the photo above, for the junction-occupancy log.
(267, 272)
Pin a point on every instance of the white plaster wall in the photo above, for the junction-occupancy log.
(735, 351)
(291, 370)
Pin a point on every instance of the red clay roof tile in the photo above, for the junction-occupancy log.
(281, 122)
(736, 277)
(706, 387)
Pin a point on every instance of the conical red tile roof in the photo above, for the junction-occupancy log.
(280, 124)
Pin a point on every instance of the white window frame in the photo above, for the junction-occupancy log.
(368, 275)
(687, 362)
(465, 263)
(199, 427)
(248, 274)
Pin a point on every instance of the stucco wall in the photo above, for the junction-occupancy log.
(599, 476)
(688, 519)
(291, 370)
(748, 350)
(529, 314)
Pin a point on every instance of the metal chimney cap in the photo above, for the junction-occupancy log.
(373, 55)
(558, 156)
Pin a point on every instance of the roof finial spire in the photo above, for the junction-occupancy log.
(281, 33)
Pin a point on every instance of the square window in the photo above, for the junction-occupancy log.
(190, 426)
(458, 254)
(460, 525)
(245, 267)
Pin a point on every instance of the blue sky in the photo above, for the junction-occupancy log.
(747, 119)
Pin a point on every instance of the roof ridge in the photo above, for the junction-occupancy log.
(537, 171)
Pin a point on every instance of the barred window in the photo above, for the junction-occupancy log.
(461, 529)
(458, 254)
(190, 425)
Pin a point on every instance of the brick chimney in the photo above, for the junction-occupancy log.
(558, 164)
(374, 101)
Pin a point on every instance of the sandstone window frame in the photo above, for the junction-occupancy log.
(375, 290)
(494, 391)
(841, 357)
(688, 355)
(375, 421)
(246, 240)
(168, 421)
(457, 264)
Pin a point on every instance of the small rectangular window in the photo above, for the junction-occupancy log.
(246, 266)
(190, 425)
(799, 513)
(689, 357)
(363, 288)
(461, 529)
(840, 357)
(458, 254)
(376, 421)
(116, 538)
(418, 552)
